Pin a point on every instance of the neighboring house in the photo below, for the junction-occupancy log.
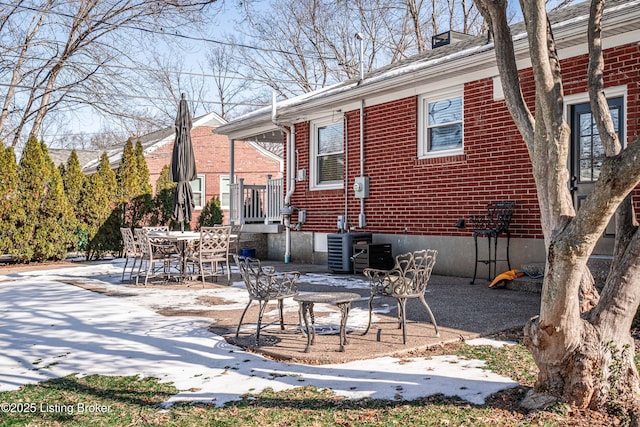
(60, 156)
(438, 144)
(253, 163)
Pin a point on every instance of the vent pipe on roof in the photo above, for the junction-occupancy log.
(448, 37)
(360, 37)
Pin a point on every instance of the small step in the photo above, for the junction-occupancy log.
(526, 284)
(599, 266)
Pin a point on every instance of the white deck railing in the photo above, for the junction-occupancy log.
(257, 203)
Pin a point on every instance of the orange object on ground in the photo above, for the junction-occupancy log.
(506, 276)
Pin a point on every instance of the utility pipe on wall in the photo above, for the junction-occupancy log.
(362, 219)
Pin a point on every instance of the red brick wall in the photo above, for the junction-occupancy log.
(212, 159)
(427, 196)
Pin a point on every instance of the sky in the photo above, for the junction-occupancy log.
(51, 328)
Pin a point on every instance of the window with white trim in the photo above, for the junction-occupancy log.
(327, 154)
(197, 187)
(440, 121)
(224, 192)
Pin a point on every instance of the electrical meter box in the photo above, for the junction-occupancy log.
(361, 187)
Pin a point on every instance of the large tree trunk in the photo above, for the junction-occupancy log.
(581, 341)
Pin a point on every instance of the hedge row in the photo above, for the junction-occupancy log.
(46, 211)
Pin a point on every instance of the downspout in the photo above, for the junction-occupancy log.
(291, 183)
(232, 177)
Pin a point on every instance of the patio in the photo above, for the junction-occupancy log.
(53, 327)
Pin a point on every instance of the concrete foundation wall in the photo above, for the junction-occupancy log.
(455, 254)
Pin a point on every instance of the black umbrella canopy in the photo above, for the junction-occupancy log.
(183, 165)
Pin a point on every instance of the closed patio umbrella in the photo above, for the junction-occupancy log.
(183, 166)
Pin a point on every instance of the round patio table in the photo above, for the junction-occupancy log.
(341, 299)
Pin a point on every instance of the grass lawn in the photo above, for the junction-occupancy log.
(125, 401)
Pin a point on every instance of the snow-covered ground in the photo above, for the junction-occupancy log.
(50, 328)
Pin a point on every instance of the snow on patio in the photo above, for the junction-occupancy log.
(51, 328)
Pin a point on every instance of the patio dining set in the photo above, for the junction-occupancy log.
(179, 255)
(408, 279)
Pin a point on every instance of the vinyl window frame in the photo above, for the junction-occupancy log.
(315, 127)
(202, 192)
(424, 143)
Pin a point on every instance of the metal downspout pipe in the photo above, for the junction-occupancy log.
(232, 177)
(346, 171)
(290, 178)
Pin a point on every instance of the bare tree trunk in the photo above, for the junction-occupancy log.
(414, 15)
(581, 342)
(34, 26)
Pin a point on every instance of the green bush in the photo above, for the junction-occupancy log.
(211, 214)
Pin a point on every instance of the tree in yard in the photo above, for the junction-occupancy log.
(58, 55)
(97, 205)
(45, 230)
(127, 174)
(163, 200)
(10, 214)
(581, 340)
(73, 180)
(228, 89)
(55, 230)
(211, 214)
(310, 44)
(133, 191)
(143, 170)
(30, 188)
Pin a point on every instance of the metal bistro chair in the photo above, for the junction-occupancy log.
(156, 252)
(495, 223)
(212, 249)
(265, 284)
(234, 241)
(408, 279)
(131, 251)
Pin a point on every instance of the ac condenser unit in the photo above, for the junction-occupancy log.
(340, 249)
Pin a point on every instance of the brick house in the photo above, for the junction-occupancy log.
(429, 140)
(253, 162)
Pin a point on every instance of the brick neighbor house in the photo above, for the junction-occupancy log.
(428, 141)
(253, 162)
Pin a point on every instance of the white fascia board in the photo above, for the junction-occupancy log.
(245, 130)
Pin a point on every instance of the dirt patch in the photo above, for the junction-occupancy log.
(49, 265)
(188, 284)
(180, 312)
(97, 289)
(207, 300)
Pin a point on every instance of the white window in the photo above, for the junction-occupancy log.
(327, 151)
(224, 191)
(197, 186)
(440, 130)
